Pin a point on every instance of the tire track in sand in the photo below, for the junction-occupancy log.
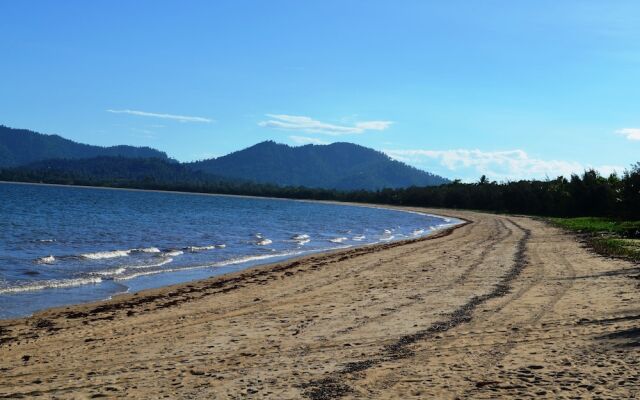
(334, 385)
(522, 329)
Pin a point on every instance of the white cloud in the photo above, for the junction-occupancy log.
(181, 118)
(630, 133)
(310, 125)
(307, 140)
(501, 165)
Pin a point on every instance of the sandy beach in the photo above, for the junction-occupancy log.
(503, 306)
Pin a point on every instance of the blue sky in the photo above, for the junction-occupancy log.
(511, 89)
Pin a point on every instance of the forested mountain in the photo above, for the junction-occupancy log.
(342, 166)
(113, 171)
(21, 147)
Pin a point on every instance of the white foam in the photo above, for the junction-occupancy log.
(417, 232)
(242, 260)
(194, 249)
(359, 238)
(264, 242)
(221, 246)
(338, 240)
(51, 284)
(157, 271)
(301, 239)
(106, 254)
(144, 266)
(111, 272)
(117, 273)
(146, 250)
(46, 260)
(45, 240)
(138, 274)
(172, 253)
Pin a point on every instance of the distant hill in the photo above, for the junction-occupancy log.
(20, 147)
(342, 166)
(116, 170)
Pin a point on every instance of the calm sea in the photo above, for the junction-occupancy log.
(66, 245)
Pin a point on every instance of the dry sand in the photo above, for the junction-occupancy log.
(501, 307)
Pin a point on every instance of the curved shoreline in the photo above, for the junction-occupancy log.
(504, 307)
(245, 272)
(98, 279)
(345, 203)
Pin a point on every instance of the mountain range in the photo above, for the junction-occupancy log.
(341, 166)
(20, 147)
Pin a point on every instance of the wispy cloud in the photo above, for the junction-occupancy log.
(630, 133)
(310, 125)
(181, 118)
(307, 140)
(501, 165)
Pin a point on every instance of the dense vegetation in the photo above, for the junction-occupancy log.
(21, 146)
(587, 195)
(341, 166)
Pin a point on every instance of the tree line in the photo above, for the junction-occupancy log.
(587, 194)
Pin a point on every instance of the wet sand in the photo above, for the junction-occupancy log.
(501, 307)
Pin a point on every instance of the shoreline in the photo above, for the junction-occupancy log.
(505, 306)
(243, 273)
(250, 264)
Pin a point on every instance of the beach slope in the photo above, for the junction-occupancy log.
(503, 306)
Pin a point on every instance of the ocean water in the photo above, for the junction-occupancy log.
(65, 245)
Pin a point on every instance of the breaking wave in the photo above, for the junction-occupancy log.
(101, 255)
(145, 250)
(172, 253)
(51, 284)
(46, 260)
(194, 249)
(233, 261)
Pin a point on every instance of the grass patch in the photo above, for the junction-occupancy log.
(606, 236)
(626, 248)
(600, 225)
